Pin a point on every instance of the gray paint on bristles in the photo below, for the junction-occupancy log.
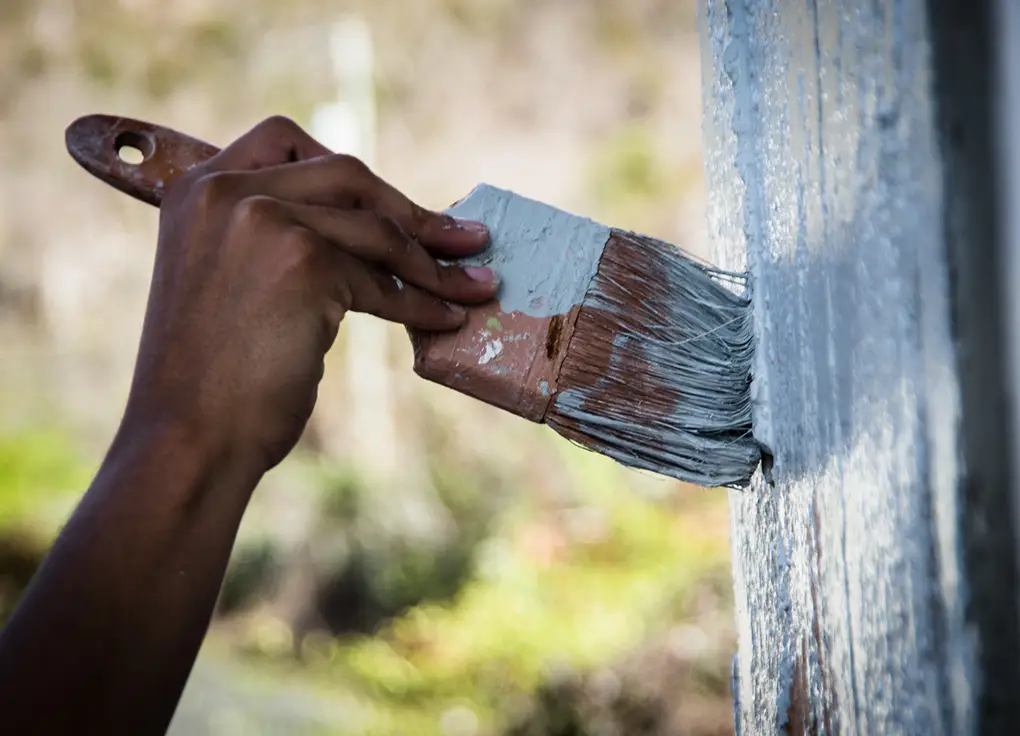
(658, 372)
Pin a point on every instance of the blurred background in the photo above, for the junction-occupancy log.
(422, 564)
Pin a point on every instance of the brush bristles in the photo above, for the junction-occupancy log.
(657, 373)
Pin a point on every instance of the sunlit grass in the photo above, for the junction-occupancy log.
(41, 472)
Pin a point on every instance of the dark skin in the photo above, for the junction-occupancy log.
(261, 253)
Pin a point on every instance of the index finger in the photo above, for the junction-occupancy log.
(276, 140)
(339, 180)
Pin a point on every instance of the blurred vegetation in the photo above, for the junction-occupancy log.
(544, 607)
(39, 467)
(546, 590)
(41, 474)
(515, 627)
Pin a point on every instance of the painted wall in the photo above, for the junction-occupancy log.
(850, 173)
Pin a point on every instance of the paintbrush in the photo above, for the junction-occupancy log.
(620, 342)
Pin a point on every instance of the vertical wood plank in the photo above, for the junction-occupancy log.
(850, 173)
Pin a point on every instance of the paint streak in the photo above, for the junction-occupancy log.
(825, 183)
(660, 379)
(522, 234)
(492, 350)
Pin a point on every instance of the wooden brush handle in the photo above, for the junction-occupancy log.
(507, 360)
(96, 141)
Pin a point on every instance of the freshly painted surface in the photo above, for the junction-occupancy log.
(1008, 27)
(827, 185)
(522, 231)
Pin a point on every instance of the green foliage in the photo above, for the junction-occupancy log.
(628, 167)
(41, 474)
(38, 469)
(620, 572)
(342, 496)
(252, 568)
(490, 17)
(537, 575)
(633, 182)
(403, 573)
(363, 574)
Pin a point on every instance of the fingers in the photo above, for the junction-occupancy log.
(365, 263)
(382, 247)
(275, 141)
(380, 241)
(282, 160)
(376, 292)
(344, 181)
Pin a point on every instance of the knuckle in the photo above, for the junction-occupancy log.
(399, 245)
(254, 213)
(278, 126)
(214, 190)
(300, 243)
(343, 295)
(352, 166)
(182, 188)
(375, 234)
(420, 215)
(296, 255)
(404, 253)
(390, 232)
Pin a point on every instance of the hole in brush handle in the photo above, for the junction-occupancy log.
(134, 148)
(139, 158)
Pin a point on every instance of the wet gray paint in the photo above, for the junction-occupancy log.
(1008, 62)
(695, 346)
(695, 341)
(546, 258)
(831, 175)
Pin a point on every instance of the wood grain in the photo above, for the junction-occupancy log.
(849, 171)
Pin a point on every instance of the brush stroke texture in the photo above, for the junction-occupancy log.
(660, 380)
(828, 181)
(546, 257)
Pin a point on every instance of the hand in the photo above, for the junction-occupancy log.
(262, 251)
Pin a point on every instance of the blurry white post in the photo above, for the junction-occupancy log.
(348, 126)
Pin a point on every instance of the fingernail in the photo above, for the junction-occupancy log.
(480, 274)
(470, 226)
(457, 309)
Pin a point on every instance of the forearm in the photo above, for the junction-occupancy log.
(106, 635)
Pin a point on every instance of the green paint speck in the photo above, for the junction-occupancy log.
(494, 323)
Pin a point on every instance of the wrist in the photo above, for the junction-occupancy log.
(187, 448)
